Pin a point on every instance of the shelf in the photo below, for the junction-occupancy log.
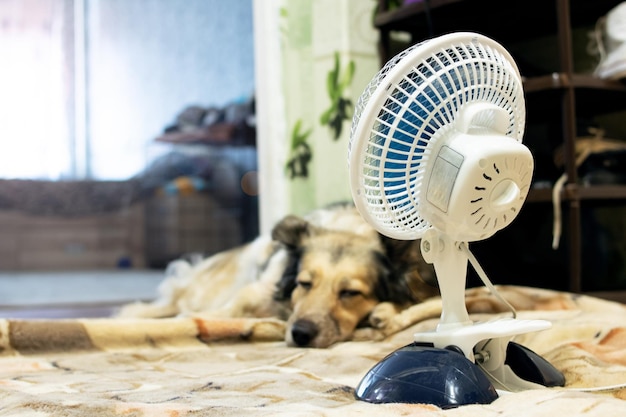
(446, 16)
(230, 134)
(506, 24)
(602, 192)
(571, 192)
(556, 81)
(594, 96)
(404, 15)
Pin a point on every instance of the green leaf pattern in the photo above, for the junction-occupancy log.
(339, 111)
(300, 152)
(341, 107)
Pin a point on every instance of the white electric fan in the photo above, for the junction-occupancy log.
(435, 154)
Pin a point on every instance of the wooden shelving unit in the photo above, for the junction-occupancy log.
(562, 93)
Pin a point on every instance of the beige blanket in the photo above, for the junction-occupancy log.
(201, 367)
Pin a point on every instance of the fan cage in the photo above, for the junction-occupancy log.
(408, 107)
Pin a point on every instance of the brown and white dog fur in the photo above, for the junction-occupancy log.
(329, 275)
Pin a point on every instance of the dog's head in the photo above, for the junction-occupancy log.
(335, 278)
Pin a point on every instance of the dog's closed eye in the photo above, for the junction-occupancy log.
(349, 293)
(305, 285)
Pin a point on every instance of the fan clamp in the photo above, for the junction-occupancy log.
(460, 362)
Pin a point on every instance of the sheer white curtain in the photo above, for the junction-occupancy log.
(143, 62)
(35, 88)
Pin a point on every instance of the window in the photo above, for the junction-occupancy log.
(35, 110)
(86, 85)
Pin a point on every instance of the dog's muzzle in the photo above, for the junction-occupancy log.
(303, 332)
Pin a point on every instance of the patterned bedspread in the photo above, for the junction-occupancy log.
(200, 367)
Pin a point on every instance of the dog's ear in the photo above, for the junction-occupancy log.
(408, 269)
(287, 282)
(291, 231)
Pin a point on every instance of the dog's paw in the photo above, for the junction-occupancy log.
(265, 330)
(382, 315)
(211, 329)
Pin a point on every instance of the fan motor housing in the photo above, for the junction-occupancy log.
(476, 185)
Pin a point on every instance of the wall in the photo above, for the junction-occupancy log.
(302, 137)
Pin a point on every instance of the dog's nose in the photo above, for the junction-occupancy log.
(303, 331)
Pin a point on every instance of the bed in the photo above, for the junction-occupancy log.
(190, 366)
(183, 201)
(61, 225)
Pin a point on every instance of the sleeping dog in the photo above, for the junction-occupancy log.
(329, 275)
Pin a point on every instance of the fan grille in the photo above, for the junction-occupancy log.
(411, 103)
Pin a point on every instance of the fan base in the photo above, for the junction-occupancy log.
(439, 367)
(420, 373)
(426, 375)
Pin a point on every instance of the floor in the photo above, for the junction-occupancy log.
(73, 293)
